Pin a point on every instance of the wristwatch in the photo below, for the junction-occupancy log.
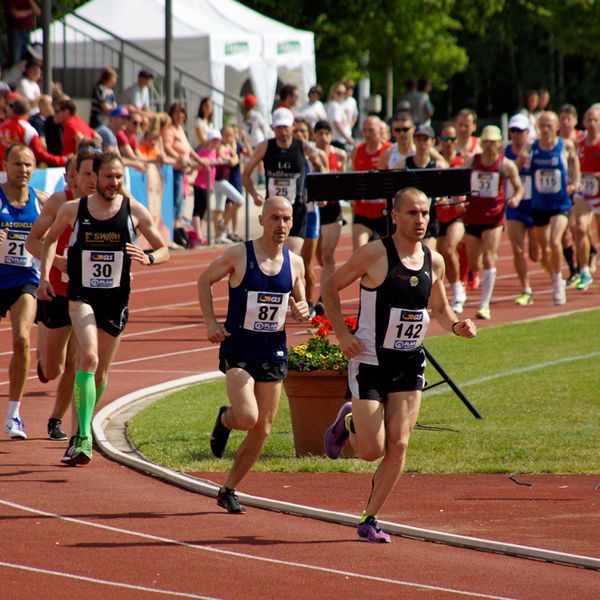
(151, 259)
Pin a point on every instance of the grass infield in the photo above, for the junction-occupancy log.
(535, 383)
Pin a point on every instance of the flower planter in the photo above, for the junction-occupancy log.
(314, 398)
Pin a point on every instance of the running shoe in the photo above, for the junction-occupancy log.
(585, 280)
(228, 500)
(81, 452)
(484, 313)
(15, 427)
(234, 237)
(573, 279)
(457, 307)
(40, 373)
(220, 435)
(55, 431)
(66, 459)
(337, 435)
(525, 299)
(222, 239)
(319, 308)
(368, 531)
(472, 281)
(559, 296)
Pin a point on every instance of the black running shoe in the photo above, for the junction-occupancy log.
(67, 458)
(319, 308)
(220, 435)
(228, 500)
(55, 431)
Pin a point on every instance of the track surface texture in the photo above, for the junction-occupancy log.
(106, 531)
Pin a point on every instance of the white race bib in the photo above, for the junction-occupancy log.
(101, 270)
(486, 183)
(266, 311)
(283, 186)
(509, 191)
(406, 329)
(590, 185)
(547, 181)
(13, 252)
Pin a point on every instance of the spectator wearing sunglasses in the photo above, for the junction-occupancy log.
(403, 128)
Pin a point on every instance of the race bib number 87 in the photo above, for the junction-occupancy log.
(265, 311)
(406, 329)
(101, 270)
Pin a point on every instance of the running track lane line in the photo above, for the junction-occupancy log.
(127, 586)
(241, 555)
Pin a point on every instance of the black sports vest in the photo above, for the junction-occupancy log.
(97, 259)
(284, 170)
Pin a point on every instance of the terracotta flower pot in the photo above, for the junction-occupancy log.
(315, 398)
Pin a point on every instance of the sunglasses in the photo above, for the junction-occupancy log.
(447, 138)
(402, 129)
(516, 130)
(136, 123)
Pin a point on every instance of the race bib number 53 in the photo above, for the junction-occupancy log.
(265, 311)
(101, 270)
(406, 329)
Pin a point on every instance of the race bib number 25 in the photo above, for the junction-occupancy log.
(266, 311)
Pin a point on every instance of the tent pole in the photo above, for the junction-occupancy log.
(168, 91)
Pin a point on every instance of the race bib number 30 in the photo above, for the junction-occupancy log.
(547, 181)
(406, 329)
(265, 311)
(101, 270)
(485, 183)
(13, 252)
(283, 186)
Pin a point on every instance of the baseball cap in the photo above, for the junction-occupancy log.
(12, 96)
(519, 121)
(120, 111)
(282, 117)
(249, 101)
(425, 130)
(491, 133)
(213, 134)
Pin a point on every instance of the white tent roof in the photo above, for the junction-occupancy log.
(219, 41)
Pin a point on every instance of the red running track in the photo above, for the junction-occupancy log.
(109, 532)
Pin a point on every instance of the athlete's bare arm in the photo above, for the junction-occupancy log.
(382, 163)
(574, 167)
(35, 239)
(298, 303)
(65, 217)
(365, 264)
(512, 174)
(438, 302)
(143, 219)
(231, 263)
(256, 158)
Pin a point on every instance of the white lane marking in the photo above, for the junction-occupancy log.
(520, 370)
(252, 557)
(139, 588)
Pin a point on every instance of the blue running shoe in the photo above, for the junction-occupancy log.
(15, 428)
(337, 435)
(368, 531)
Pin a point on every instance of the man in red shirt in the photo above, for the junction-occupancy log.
(16, 129)
(75, 128)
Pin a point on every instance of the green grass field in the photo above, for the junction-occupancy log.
(536, 384)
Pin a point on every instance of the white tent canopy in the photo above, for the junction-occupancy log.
(218, 41)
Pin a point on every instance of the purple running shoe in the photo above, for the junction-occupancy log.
(337, 435)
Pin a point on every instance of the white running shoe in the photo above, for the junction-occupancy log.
(222, 239)
(559, 295)
(457, 307)
(15, 428)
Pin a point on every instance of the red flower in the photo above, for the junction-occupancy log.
(318, 320)
(351, 323)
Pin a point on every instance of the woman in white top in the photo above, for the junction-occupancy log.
(336, 115)
(204, 120)
(313, 110)
(256, 126)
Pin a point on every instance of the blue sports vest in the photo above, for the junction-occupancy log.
(257, 311)
(17, 266)
(549, 178)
